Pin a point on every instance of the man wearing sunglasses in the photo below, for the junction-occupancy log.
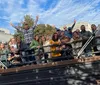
(27, 31)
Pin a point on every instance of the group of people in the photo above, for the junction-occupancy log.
(46, 48)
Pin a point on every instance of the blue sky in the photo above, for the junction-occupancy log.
(54, 12)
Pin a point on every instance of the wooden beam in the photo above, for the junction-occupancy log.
(51, 64)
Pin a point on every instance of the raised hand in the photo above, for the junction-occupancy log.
(16, 27)
(35, 23)
(74, 21)
(37, 17)
(11, 24)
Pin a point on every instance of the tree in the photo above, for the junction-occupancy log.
(29, 20)
(18, 33)
(41, 29)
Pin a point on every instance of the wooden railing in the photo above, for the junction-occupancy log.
(73, 61)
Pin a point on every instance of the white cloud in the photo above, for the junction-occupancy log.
(63, 12)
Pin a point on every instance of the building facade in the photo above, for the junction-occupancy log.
(78, 25)
(5, 35)
(4, 30)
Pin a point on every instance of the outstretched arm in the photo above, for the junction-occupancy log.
(71, 28)
(74, 24)
(16, 27)
(35, 23)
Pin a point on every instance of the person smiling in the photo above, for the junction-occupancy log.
(27, 31)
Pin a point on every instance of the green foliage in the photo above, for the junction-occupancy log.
(29, 20)
(40, 29)
(43, 29)
(18, 33)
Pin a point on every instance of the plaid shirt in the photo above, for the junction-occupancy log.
(28, 34)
